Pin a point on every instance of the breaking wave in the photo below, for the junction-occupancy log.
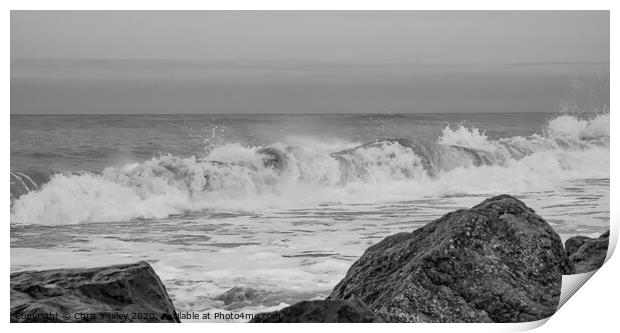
(236, 177)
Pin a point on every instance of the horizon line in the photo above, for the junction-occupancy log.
(288, 61)
(271, 114)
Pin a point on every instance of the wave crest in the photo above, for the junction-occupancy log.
(233, 176)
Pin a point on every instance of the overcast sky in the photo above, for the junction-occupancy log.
(403, 36)
(307, 62)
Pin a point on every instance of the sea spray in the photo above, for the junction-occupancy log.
(245, 177)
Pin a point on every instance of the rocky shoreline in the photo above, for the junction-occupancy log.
(495, 262)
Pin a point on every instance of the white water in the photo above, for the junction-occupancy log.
(306, 173)
(290, 219)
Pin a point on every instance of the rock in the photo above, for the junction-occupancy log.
(586, 254)
(238, 297)
(326, 311)
(237, 294)
(121, 293)
(572, 244)
(495, 262)
(241, 297)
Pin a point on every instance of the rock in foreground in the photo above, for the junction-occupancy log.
(495, 262)
(586, 254)
(121, 293)
(327, 311)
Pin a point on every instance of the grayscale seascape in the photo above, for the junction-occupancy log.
(276, 175)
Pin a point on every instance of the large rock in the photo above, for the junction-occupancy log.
(586, 254)
(336, 311)
(121, 293)
(495, 262)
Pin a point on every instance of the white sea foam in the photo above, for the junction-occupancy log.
(305, 172)
(569, 127)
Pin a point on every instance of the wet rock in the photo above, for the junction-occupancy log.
(239, 297)
(586, 254)
(572, 244)
(495, 262)
(325, 311)
(238, 294)
(120, 293)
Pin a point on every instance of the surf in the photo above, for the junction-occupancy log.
(306, 172)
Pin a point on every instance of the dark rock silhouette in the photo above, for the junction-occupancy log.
(586, 254)
(327, 311)
(495, 262)
(120, 293)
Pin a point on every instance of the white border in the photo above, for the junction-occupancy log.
(592, 308)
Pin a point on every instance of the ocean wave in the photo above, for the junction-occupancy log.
(25, 181)
(236, 177)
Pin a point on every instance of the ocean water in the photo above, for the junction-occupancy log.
(282, 203)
